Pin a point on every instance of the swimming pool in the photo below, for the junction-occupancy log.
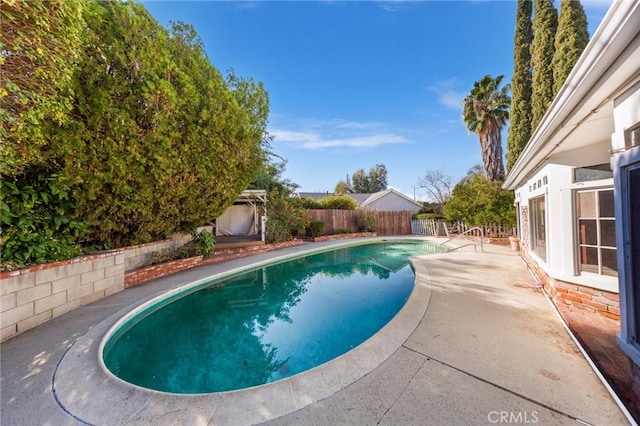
(266, 324)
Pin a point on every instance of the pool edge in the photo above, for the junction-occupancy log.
(101, 391)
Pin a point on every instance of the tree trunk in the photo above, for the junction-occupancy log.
(491, 146)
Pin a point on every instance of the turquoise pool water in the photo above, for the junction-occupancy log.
(265, 324)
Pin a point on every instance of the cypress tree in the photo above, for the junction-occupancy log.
(571, 39)
(545, 22)
(520, 114)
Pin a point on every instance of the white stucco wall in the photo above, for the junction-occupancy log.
(626, 114)
(392, 202)
(561, 240)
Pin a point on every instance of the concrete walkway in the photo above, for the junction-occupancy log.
(475, 344)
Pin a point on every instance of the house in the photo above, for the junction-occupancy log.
(387, 200)
(577, 181)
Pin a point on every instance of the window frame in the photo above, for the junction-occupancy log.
(599, 246)
(623, 164)
(533, 224)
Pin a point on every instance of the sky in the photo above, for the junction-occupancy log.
(353, 84)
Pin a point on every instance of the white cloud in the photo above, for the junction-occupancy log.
(393, 5)
(448, 94)
(320, 134)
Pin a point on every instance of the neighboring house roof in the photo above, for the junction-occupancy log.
(581, 114)
(314, 195)
(360, 197)
(365, 200)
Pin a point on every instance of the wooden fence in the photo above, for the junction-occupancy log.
(400, 223)
(387, 223)
(424, 227)
(441, 228)
(492, 230)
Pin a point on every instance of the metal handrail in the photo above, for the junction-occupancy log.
(475, 247)
(466, 232)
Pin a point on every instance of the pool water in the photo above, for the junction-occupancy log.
(265, 324)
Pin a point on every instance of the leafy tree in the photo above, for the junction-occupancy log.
(40, 45)
(572, 37)
(520, 113)
(545, 22)
(375, 181)
(360, 182)
(286, 216)
(162, 142)
(438, 185)
(479, 201)
(378, 178)
(119, 148)
(155, 141)
(343, 186)
(485, 111)
(270, 176)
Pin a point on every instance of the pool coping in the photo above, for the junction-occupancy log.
(93, 399)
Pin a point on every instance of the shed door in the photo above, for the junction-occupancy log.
(236, 220)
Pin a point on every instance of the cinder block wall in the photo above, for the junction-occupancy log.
(31, 296)
(138, 256)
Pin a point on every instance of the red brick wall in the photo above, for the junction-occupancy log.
(144, 274)
(602, 302)
(342, 236)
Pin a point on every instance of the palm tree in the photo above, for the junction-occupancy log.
(485, 110)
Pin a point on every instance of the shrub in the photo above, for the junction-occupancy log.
(367, 223)
(315, 228)
(310, 203)
(36, 227)
(204, 243)
(338, 202)
(170, 254)
(478, 201)
(287, 217)
(344, 231)
(432, 216)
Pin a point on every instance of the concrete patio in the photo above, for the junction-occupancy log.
(475, 344)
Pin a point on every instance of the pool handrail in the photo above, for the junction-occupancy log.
(466, 232)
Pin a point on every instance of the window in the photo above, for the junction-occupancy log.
(632, 136)
(597, 232)
(626, 166)
(586, 174)
(538, 231)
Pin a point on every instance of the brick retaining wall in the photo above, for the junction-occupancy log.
(155, 271)
(342, 236)
(39, 293)
(602, 302)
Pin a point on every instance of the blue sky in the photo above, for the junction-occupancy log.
(357, 83)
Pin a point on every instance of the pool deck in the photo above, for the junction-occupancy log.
(475, 344)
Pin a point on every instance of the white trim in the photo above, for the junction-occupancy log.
(628, 315)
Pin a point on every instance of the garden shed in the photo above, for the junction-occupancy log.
(245, 217)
